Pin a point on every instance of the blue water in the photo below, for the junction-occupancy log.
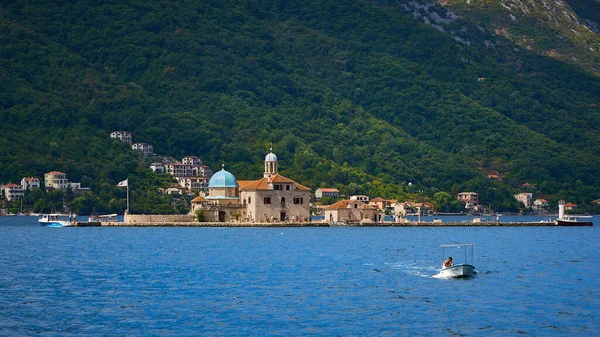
(342, 281)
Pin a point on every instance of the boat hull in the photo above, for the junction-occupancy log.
(56, 224)
(458, 271)
(573, 223)
(56, 220)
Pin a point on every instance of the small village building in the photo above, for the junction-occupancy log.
(123, 136)
(28, 183)
(379, 203)
(362, 198)
(275, 197)
(350, 211)
(192, 160)
(194, 183)
(13, 192)
(327, 192)
(470, 199)
(410, 208)
(525, 199)
(178, 170)
(569, 206)
(540, 204)
(58, 180)
(157, 167)
(146, 149)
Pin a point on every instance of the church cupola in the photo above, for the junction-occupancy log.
(270, 164)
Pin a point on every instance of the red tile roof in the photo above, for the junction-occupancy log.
(343, 204)
(263, 184)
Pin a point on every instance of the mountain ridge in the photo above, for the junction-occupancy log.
(354, 95)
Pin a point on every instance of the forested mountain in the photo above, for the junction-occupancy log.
(372, 97)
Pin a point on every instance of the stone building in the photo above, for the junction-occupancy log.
(222, 204)
(350, 211)
(275, 197)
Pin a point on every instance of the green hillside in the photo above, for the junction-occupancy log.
(353, 94)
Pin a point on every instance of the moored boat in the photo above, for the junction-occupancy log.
(574, 221)
(571, 220)
(56, 220)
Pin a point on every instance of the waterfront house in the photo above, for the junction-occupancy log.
(350, 211)
(470, 199)
(569, 206)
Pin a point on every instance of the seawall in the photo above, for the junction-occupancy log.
(323, 224)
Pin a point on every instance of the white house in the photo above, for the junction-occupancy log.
(13, 192)
(524, 198)
(540, 204)
(146, 149)
(192, 160)
(193, 183)
(28, 183)
(362, 198)
(123, 136)
(157, 167)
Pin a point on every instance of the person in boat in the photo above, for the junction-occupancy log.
(448, 262)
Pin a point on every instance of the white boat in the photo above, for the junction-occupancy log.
(56, 220)
(571, 220)
(461, 252)
(102, 218)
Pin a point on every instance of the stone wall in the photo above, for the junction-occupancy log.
(151, 218)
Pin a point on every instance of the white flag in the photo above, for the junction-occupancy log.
(123, 183)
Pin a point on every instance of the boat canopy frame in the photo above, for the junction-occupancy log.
(465, 247)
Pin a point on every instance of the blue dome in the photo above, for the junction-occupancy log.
(271, 157)
(222, 179)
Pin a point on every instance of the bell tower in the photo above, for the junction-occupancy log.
(270, 164)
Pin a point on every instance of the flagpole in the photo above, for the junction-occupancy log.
(127, 195)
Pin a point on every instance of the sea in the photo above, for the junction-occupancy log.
(317, 281)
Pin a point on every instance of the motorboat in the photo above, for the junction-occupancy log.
(102, 218)
(56, 220)
(571, 220)
(464, 254)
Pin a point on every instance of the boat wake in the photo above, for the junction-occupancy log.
(414, 267)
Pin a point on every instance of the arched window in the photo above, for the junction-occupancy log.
(282, 201)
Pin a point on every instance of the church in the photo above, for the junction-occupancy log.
(273, 198)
